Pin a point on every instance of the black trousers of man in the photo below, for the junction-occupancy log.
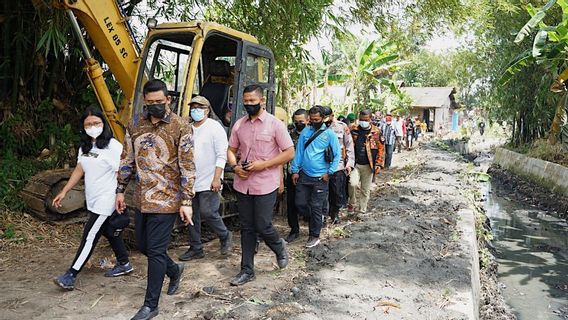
(292, 211)
(311, 196)
(255, 214)
(153, 235)
(337, 193)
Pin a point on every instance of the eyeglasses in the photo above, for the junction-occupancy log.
(93, 125)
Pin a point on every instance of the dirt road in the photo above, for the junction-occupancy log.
(402, 260)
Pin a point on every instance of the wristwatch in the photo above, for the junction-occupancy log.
(120, 189)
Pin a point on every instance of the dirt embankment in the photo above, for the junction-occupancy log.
(401, 260)
(520, 189)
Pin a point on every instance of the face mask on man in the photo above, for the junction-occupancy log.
(316, 125)
(252, 109)
(157, 110)
(94, 132)
(299, 126)
(197, 114)
(364, 124)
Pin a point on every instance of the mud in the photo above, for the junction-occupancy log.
(401, 260)
(513, 187)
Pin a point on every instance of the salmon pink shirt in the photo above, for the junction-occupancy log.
(262, 139)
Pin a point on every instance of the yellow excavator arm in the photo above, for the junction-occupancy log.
(108, 28)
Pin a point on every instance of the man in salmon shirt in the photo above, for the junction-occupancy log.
(259, 145)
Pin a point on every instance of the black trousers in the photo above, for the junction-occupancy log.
(255, 214)
(292, 211)
(337, 192)
(96, 226)
(311, 196)
(153, 235)
(206, 207)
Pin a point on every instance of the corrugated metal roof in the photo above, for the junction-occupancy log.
(430, 97)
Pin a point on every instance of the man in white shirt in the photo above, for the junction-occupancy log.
(210, 155)
(397, 124)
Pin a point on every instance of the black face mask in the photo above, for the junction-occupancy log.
(156, 110)
(252, 109)
(299, 126)
(317, 125)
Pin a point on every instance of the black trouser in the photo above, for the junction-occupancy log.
(206, 206)
(96, 226)
(292, 211)
(389, 150)
(153, 234)
(311, 196)
(337, 192)
(255, 213)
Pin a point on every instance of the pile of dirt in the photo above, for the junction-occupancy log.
(510, 185)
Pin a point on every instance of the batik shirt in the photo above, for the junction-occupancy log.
(161, 155)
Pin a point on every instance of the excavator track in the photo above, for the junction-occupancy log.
(43, 187)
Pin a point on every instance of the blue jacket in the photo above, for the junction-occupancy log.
(311, 160)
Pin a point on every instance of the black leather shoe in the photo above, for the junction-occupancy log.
(242, 278)
(282, 259)
(145, 313)
(293, 236)
(192, 254)
(174, 281)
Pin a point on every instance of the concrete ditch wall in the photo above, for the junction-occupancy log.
(550, 175)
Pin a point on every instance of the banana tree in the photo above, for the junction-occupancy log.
(365, 68)
(548, 50)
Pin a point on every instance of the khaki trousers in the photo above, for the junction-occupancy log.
(360, 179)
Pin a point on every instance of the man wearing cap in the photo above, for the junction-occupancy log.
(210, 156)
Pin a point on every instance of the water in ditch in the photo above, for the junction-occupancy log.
(532, 253)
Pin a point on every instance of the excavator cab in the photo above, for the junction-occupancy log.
(204, 58)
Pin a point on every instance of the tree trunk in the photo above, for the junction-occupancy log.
(285, 92)
(559, 119)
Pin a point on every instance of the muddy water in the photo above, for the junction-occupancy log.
(532, 256)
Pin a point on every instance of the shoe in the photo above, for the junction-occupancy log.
(66, 281)
(293, 236)
(119, 270)
(227, 244)
(242, 278)
(282, 261)
(145, 313)
(312, 242)
(174, 281)
(257, 246)
(192, 254)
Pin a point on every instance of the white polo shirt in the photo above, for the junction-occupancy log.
(100, 167)
(209, 152)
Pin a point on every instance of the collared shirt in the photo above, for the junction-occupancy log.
(311, 160)
(261, 139)
(161, 154)
(374, 146)
(345, 139)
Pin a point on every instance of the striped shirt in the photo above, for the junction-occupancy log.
(389, 134)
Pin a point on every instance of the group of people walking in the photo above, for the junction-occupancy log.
(178, 164)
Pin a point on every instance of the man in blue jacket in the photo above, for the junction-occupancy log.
(317, 157)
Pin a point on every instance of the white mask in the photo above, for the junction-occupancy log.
(94, 132)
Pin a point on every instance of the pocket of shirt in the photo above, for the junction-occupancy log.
(264, 145)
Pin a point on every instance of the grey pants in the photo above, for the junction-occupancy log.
(206, 207)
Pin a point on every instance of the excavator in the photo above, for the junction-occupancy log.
(193, 58)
